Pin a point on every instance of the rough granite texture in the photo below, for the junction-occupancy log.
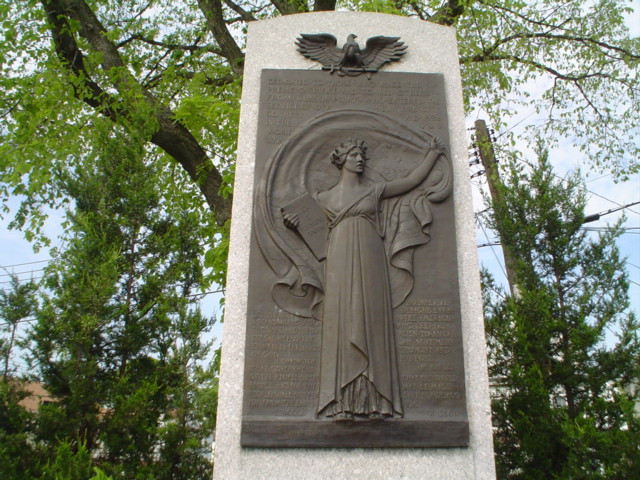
(432, 49)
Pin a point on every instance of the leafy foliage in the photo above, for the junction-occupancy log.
(17, 452)
(566, 390)
(68, 463)
(119, 339)
(169, 73)
(130, 110)
(576, 55)
(17, 303)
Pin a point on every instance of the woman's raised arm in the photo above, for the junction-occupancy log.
(403, 185)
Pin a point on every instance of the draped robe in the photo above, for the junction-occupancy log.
(359, 373)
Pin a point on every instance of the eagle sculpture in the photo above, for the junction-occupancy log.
(350, 59)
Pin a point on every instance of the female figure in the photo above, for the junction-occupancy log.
(359, 374)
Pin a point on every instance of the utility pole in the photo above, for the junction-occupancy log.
(488, 157)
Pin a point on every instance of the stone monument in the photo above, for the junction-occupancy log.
(353, 343)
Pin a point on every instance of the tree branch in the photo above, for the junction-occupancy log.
(416, 7)
(244, 15)
(72, 57)
(209, 81)
(214, 82)
(448, 13)
(146, 82)
(171, 136)
(487, 52)
(324, 5)
(574, 79)
(290, 7)
(540, 66)
(212, 10)
(171, 46)
(589, 102)
(522, 17)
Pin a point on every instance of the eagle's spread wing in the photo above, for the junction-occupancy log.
(320, 47)
(381, 50)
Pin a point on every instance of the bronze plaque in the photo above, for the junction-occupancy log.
(353, 322)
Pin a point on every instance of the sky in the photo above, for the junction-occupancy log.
(18, 257)
(603, 192)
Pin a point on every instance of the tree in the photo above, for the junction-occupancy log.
(18, 457)
(169, 72)
(118, 340)
(16, 424)
(566, 389)
(167, 75)
(16, 304)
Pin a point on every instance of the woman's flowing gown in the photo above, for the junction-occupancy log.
(359, 374)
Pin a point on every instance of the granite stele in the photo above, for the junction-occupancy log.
(353, 344)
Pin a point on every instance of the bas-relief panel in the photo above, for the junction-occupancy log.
(353, 324)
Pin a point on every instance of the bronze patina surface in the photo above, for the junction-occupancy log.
(353, 324)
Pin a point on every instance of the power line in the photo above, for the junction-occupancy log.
(492, 249)
(609, 200)
(589, 218)
(604, 229)
(583, 186)
(596, 216)
(20, 273)
(205, 293)
(27, 263)
(200, 295)
(500, 134)
(528, 163)
(598, 178)
(22, 320)
(490, 244)
(514, 126)
(26, 279)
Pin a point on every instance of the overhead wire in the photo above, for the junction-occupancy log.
(492, 249)
(20, 273)
(32, 319)
(620, 206)
(514, 126)
(596, 216)
(25, 279)
(559, 177)
(528, 163)
(26, 263)
(597, 178)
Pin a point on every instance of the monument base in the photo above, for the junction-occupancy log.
(344, 433)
